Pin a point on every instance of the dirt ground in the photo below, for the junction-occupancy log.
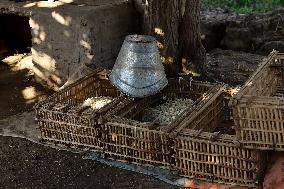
(18, 90)
(29, 165)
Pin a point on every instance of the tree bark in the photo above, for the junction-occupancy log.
(193, 52)
(162, 19)
(175, 25)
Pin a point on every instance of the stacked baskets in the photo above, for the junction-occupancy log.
(208, 140)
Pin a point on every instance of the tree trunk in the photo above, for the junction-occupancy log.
(175, 25)
(162, 19)
(192, 50)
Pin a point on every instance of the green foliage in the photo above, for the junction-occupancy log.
(244, 6)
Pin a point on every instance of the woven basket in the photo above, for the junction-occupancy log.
(62, 121)
(258, 108)
(138, 145)
(127, 139)
(207, 149)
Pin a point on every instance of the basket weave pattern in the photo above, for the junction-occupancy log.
(127, 139)
(195, 144)
(212, 152)
(258, 108)
(75, 126)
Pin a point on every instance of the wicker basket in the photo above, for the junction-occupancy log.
(212, 152)
(127, 139)
(63, 121)
(258, 108)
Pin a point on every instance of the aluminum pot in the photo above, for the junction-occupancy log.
(138, 70)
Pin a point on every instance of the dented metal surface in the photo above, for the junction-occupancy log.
(138, 71)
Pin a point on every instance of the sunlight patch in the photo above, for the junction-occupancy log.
(29, 93)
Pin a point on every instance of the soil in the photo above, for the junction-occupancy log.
(240, 65)
(29, 165)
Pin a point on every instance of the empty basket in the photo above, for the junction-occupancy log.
(258, 108)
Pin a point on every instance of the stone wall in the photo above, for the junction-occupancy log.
(67, 36)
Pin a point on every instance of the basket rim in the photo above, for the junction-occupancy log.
(203, 103)
(98, 73)
(95, 72)
(263, 65)
(212, 137)
(261, 101)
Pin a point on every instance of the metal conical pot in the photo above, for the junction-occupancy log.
(138, 70)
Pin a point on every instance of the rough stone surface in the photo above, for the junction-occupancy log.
(243, 32)
(213, 26)
(64, 36)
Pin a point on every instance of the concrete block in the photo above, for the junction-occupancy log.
(66, 37)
